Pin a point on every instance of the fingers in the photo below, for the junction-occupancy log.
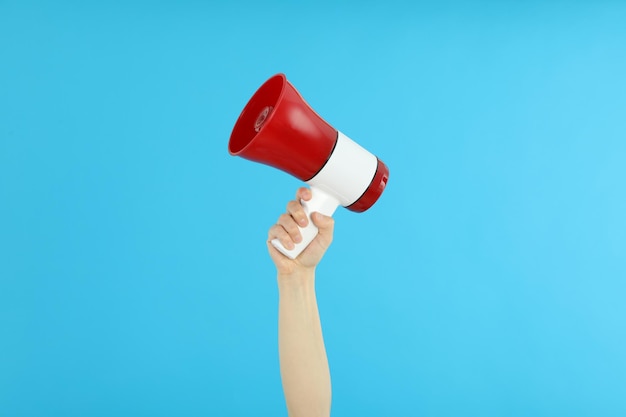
(325, 226)
(286, 229)
(297, 213)
(278, 231)
(303, 193)
(322, 222)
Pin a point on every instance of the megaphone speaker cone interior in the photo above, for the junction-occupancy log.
(278, 128)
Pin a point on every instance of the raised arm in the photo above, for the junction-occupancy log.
(303, 362)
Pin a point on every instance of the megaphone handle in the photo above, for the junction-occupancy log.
(321, 202)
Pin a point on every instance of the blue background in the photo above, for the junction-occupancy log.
(489, 279)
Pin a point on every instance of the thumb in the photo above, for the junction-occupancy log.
(325, 224)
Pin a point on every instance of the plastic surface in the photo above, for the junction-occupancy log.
(321, 202)
(374, 191)
(348, 173)
(278, 128)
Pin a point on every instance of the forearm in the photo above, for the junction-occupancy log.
(303, 363)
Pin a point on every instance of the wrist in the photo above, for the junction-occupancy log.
(300, 277)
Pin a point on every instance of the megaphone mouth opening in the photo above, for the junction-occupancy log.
(256, 114)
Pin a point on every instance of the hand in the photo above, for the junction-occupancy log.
(286, 230)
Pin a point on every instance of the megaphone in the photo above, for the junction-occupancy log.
(278, 128)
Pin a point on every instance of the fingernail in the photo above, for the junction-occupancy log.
(298, 239)
(303, 221)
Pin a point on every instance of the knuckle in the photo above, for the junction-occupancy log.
(275, 230)
(287, 242)
(292, 229)
(294, 206)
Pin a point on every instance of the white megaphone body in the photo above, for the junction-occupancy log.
(278, 128)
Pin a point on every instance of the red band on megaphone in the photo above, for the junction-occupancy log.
(373, 192)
